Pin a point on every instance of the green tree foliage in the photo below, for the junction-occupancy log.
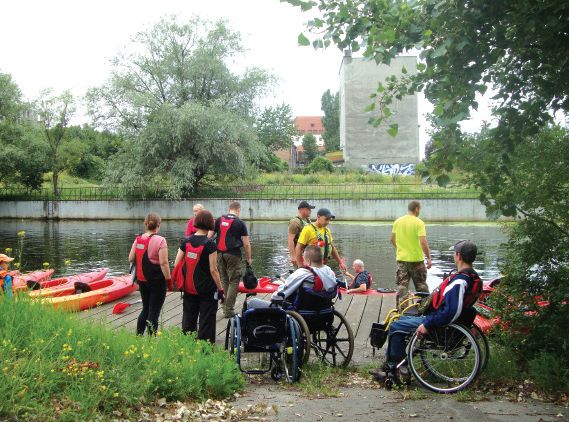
(275, 127)
(23, 158)
(272, 164)
(181, 145)
(174, 63)
(174, 69)
(320, 164)
(330, 105)
(310, 148)
(54, 113)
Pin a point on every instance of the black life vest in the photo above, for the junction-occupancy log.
(194, 284)
(302, 224)
(226, 242)
(146, 270)
(323, 242)
(473, 289)
(368, 282)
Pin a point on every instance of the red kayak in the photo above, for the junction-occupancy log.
(83, 296)
(21, 281)
(52, 287)
(264, 285)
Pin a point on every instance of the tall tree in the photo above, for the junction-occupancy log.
(275, 127)
(54, 114)
(310, 148)
(10, 98)
(175, 63)
(330, 105)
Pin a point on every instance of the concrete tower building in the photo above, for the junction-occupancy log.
(373, 148)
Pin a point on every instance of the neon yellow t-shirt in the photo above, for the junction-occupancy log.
(407, 231)
(309, 237)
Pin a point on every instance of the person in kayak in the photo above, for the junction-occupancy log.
(319, 234)
(201, 282)
(361, 281)
(149, 252)
(452, 301)
(5, 278)
(314, 274)
(190, 229)
(295, 226)
(232, 235)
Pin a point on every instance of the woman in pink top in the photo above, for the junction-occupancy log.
(150, 253)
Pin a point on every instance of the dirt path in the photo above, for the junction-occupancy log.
(373, 404)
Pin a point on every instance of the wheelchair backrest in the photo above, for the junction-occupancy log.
(308, 299)
(264, 327)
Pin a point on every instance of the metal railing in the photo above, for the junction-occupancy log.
(246, 191)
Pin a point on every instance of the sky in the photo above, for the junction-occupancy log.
(64, 44)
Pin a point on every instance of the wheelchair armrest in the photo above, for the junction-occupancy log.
(422, 294)
(250, 294)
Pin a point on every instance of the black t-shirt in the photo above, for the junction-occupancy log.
(203, 280)
(233, 238)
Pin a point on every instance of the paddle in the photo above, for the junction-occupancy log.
(120, 307)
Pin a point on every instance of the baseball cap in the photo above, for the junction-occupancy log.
(325, 212)
(304, 204)
(466, 249)
(5, 258)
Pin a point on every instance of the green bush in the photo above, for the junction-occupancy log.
(55, 366)
(320, 164)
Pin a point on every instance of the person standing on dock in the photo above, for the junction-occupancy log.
(319, 234)
(295, 226)
(409, 237)
(232, 235)
(150, 254)
(202, 284)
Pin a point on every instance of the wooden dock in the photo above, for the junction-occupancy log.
(359, 310)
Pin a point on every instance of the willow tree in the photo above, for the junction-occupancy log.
(171, 69)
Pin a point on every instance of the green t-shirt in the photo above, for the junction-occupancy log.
(407, 231)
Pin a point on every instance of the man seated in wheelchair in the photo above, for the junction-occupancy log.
(311, 286)
(451, 302)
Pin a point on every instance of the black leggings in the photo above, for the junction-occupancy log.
(205, 308)
(153, 294)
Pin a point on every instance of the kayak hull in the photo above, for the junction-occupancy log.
(102, 291)
(21, 280)
(66, 285)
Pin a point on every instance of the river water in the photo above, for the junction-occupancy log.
(94, 244)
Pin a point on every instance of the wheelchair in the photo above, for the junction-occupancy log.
(266, 328)
(325, 330)
(446, 360)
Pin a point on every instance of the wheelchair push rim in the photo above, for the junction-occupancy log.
(334, 345)
(446, 360)
(289, 351)
(303, 339)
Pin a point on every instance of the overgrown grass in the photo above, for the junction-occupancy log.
(54, 366)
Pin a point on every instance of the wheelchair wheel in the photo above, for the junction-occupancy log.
(483, 344)
(334, 344)
(233, 337)
(446, 360)
(289, 350)
(303, 339)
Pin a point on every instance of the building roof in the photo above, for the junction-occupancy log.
(309, 124)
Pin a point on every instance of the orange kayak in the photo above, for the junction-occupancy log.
(53, 287)
(21, 281)
(83, 296)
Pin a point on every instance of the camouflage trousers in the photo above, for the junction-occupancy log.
(416, 271)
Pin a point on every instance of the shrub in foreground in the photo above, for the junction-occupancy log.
(56, 366)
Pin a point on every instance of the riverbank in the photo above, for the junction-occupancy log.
(432, 210)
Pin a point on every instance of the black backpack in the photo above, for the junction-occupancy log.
(249, 279)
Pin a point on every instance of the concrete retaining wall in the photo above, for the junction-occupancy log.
(253, 209)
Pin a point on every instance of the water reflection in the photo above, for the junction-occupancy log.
(94, 244)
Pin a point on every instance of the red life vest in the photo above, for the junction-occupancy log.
(318, 285)
(224, 227)
(191, 259)
(473, 289)
(141, 250)
(190, 229)
(145, 269)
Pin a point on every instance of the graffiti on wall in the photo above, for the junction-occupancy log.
(392, 169)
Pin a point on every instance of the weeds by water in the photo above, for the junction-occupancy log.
(54, 366)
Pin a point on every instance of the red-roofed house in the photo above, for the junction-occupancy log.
(309, 124)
